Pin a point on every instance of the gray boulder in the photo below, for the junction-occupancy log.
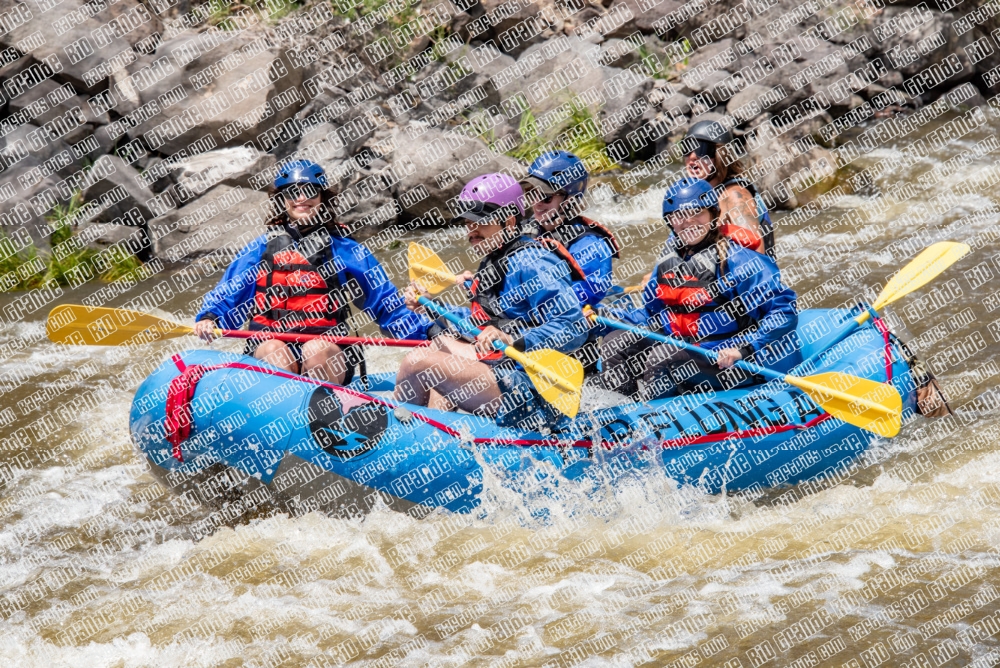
(619, 95)
(50, 101)
(109, 173)
(54, 99)
(336, 129)
(777, 160)
(237, 90)
(439, 163)
(930, 42)
(238, 166)
(83, 52)
(481, 28)
(223, 218)
(35, 176)
(650, 20)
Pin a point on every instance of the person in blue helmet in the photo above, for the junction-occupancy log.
(742, 212)
(554, 188)
(708, 290)
(520, 295)
(301, 276)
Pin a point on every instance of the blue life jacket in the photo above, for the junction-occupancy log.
(525, 289)
(593, 246)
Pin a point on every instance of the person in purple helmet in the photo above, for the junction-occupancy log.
(522, 294)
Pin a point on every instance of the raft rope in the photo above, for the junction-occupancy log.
(181, 392)
(182, 388)
(886, 336)
(177, 425)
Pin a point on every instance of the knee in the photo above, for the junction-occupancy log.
(317, 347)
(667, 354)
(412, 364)
(270, 350)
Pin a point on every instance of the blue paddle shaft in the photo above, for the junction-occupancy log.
(462, 325)
(711, 355)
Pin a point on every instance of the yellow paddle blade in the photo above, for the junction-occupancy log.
(77, 325)
(870, 405)
(557, 377)
(919, 272)
(428, 270)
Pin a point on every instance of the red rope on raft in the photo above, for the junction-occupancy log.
(177, 425)
(884, 330)
(181, 392)
(182, 389)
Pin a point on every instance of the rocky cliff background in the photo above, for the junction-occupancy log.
(166, 119)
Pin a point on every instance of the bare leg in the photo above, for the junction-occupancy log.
(446, 344)
(468, 384)
(440, 402)
(323, 360)
(278, 354)
(461, 349)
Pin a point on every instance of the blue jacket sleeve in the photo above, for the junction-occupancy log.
(594, 256)
(537, 288)
(377, 295)
(230, 301)
(653, 310)
(769, 303)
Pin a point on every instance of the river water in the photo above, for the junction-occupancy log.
(894, 564)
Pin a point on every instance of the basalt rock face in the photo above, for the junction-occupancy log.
(174, 110)
(453, 159)
(82, 47)
(222, 90)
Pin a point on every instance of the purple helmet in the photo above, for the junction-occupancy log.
(484, 195)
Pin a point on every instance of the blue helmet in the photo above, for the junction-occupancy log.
(558, 171)
(690, 194)
(300, 171)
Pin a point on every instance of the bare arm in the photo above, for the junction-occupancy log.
(737, 207)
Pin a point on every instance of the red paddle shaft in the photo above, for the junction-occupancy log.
(302, 338)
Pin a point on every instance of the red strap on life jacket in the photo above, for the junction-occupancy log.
(683, 296)
(575, 270)
(604, 232)
(683, 324)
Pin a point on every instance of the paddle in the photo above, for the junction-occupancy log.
(428, 270)
(920, 271)
(917, 273)
(557, 377)
(77, 325)
(875, 407)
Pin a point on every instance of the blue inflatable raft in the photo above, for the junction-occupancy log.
(241, 430)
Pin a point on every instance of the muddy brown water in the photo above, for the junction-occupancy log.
(893, 564)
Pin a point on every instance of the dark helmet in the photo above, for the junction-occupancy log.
(689, 194)
(298, 172)
(712, 132)
(557, 171)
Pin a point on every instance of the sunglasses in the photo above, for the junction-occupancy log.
(294, 193)
(704, 149)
